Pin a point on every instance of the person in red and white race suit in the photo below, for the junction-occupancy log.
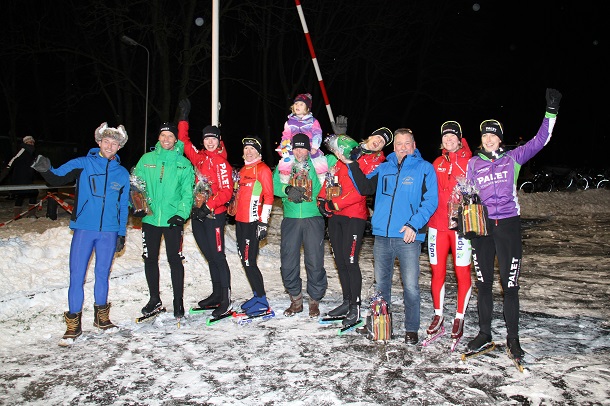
(450, 166)
(254, 201)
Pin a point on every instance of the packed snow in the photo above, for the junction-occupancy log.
(565, 327)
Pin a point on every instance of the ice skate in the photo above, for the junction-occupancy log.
(435, 331)
(456, 332)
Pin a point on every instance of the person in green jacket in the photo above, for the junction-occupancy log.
(303, 225)
(169, 178)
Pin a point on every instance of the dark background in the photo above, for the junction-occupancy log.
(394, 63)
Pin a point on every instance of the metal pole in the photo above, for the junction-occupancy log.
(314, 60)
(130, 41)
(215, 102)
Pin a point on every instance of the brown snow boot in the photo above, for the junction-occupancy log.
(101, 317)
(73, 329)
(296, 305)
(314, 308)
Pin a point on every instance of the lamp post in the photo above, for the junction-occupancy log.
(132, 42)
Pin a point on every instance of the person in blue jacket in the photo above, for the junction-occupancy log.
(406, 196)
(99, 221)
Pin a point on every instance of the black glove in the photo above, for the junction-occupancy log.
(185, 108)
(356, 153)
(120, 243)
(41, 164)
(201, 213)
(553, 97)
(137, 213)
(261, 230)
(295, 194)
(325, 207)
(175, 221)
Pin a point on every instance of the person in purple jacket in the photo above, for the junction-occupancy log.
(494, 172)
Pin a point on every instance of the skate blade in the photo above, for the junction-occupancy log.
(347, 329)
(432, 338)
(330, 319)
(518, 362)
(241, 321)
(454, 344)
(213, 320)
(151, 315)
(484, 350)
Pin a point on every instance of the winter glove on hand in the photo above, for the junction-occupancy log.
(553, 97)
(326, 207)
(201, 213)
(261, 230)
(175, 221)
(185, 109)
(41, 164)
(137, 213)
(120, 243)
(340, 126)
(295, 193)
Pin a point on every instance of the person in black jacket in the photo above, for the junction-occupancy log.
(22, 174)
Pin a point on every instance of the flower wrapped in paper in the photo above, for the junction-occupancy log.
(137, 194)
(333, 188)
(232, 205)
(340, 145)
(300, 177)
(202, 191)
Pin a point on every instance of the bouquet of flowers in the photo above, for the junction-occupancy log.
(137, 194)
(202, 191)
(232, 205)
(300, 177)
(333, 188)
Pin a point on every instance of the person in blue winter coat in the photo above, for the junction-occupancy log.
(99, 221)
(494, 172)
(406, 196)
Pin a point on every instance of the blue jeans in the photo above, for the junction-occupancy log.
(385, 251)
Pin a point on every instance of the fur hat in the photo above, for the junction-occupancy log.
(492, 127)
(301, 140)
(254, 142)
(119, 134)
(211, 131)
(28, 138)
(384, 133)
(169, 127)
(451, 127)
(305, 98)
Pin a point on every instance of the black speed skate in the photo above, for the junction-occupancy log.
(515, 352)
(480, 345)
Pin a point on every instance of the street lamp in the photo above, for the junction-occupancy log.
(132, 42)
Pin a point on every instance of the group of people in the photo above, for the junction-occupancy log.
(411, 199)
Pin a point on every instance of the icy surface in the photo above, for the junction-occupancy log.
(565, 327)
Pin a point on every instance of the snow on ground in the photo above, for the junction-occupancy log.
(565, 328)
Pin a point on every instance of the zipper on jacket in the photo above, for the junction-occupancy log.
(387, 230)
(104, 196)
(162, 170)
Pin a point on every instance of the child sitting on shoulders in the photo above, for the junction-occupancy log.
(301, 121)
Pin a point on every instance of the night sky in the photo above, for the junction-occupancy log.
(395, 64)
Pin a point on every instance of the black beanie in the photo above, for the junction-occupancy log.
(451, 127)
(384, 133)
(169, 127)
(211, 131)
(492, 127)
(301, 140)
(254, 142)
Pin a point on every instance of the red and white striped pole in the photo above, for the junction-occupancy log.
(315, 61)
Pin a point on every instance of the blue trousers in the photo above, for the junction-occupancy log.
(385, 251)
(83, 244)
